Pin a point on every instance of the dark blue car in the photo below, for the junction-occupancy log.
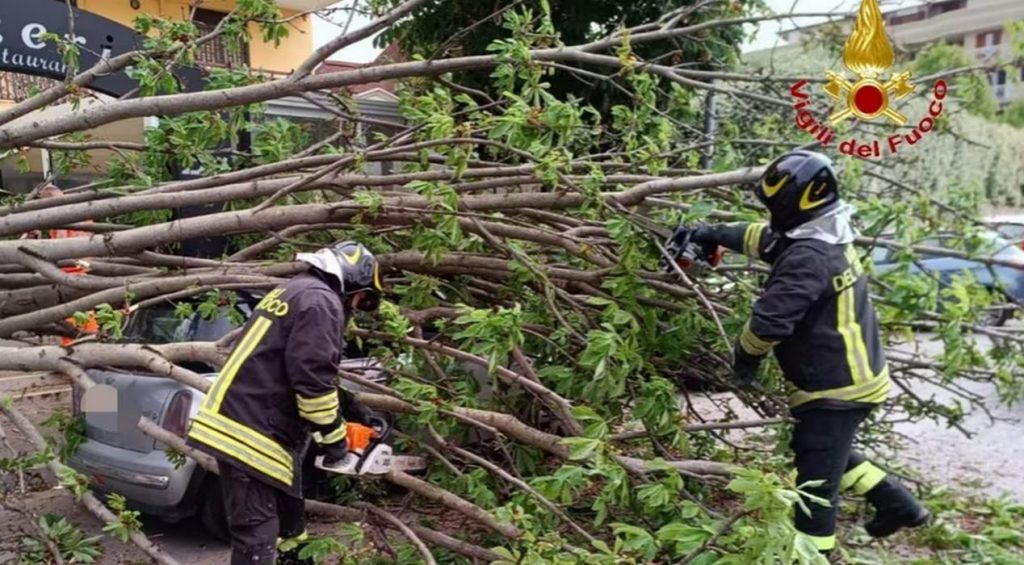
(1003, 279)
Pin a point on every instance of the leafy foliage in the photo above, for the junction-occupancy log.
(350, 547)
(463, 27)
(73, 545)
(127, 522)
(71, 430)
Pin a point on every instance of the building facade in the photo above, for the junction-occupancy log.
(978, 25)
(21, 173)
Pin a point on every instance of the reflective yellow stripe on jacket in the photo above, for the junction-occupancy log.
(753, 344)
(874, 391)
(320, 409)
(752, 240)
(229, 445)
(866, 387)
(234, 438)
(254, 439)
(245, 348)
(853, 338)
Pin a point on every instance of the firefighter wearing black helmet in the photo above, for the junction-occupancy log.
(277, 386)
(816, 315)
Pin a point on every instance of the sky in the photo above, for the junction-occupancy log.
(364, 52)
(325, 30)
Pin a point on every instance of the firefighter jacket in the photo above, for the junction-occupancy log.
(278, 382)
(816, 314)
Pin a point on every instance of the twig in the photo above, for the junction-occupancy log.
(88, 500)
(636, 434)
(14, 454)
(518, 483)
(401, 527)
(453, 501)
(711, 540)
(30, 519)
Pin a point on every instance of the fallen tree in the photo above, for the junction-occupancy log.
(520, 234)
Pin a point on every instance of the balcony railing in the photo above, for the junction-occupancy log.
(18, 87)
(221, 51)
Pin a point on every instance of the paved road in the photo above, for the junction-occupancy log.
(992, 462)
(189, 543)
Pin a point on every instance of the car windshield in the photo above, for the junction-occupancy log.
(1013, 232)
(162, 324)
(992, 245)
(1000, 247)
(1007, 251)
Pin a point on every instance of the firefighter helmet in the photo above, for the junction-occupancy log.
(796, 188)
(354, 266)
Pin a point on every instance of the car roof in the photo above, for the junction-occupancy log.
(1006, 219)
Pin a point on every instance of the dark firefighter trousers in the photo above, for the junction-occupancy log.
(258, 514)
(822, 446)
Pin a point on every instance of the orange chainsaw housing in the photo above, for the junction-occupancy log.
(358, 436)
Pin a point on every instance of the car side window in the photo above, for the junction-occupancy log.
(162, 324)
(935, 243)
(158, 324)
(880, 255)
(212, 330)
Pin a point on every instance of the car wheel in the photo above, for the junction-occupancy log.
(999, 314)
(211, 510)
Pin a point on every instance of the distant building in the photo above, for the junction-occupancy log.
(978, 25)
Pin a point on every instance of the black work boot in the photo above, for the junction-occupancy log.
(895, 508)
(292, 558)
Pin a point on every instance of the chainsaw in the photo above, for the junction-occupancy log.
(369, 453)
(692, 258)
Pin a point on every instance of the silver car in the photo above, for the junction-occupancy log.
(120, 458)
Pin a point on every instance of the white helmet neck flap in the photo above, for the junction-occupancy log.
(327, 261)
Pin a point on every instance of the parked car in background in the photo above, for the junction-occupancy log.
(1003, 279)
(119, 458)
(1010, 227)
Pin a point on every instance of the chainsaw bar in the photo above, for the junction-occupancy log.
(377, 461)
(408, 463)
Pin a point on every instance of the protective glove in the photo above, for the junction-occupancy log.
(744, 365)
(353, 410)
(705, 235)
(333, 445)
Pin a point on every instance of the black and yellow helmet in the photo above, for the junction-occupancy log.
(796, 188)
(354, 266)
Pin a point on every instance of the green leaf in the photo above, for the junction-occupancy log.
(581, 448)
(637, 540)
(684, 537)
(594, 426)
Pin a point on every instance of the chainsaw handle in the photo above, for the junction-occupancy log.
(715, 258)
(382, 433)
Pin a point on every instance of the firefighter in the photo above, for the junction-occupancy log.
(278, 386)
(88, 325)
(816, 315)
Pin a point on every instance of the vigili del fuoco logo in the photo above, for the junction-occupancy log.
(868, 55)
